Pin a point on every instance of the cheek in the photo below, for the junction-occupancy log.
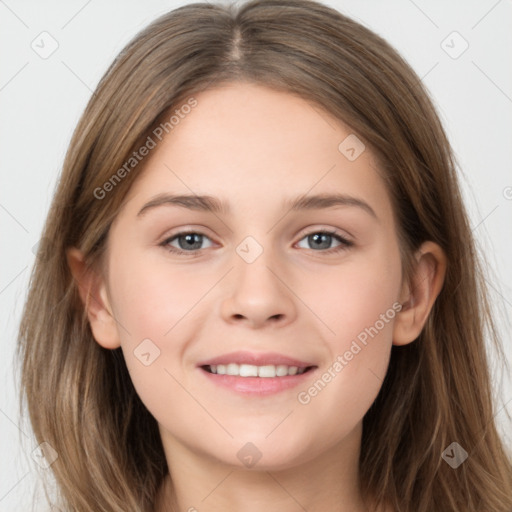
(358, 304)
(151, 298)
(153, 308)
(353, 295)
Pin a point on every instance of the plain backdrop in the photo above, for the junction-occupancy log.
(41, 100)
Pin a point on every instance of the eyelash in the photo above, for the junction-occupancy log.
(345, 244)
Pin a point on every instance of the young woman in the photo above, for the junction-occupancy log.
(259, 288)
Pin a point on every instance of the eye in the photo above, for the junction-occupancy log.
(322, 240)
(188, 240)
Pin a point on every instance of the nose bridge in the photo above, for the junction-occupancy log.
(252, 267)
(257, 293)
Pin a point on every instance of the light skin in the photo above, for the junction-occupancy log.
(256, 148)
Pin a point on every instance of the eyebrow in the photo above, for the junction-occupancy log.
(207, 203)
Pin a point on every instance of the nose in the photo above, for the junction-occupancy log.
(258, 293)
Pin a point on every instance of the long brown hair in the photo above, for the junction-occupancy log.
(437, 390)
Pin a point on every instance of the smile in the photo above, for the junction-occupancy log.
(249, 370)
(256, 381)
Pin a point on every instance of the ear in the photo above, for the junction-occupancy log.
(93, 292)
(417, 301)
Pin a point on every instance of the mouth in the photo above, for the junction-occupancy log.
(249, 370)
(256, 381)
(256, 373)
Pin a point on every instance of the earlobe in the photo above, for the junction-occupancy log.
(418, 299)
(93, 293)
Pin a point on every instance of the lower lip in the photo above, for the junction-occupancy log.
(257, 386)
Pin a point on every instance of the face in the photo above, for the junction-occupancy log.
(318, 284)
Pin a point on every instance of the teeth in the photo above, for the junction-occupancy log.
(249, 370)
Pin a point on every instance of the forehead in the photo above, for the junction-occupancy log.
(254, 145)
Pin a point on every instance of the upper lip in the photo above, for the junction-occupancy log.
(256, 359)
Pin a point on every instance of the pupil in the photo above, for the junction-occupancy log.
(190, 239)
(318, 236)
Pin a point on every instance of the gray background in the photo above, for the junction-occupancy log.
(41, 100)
